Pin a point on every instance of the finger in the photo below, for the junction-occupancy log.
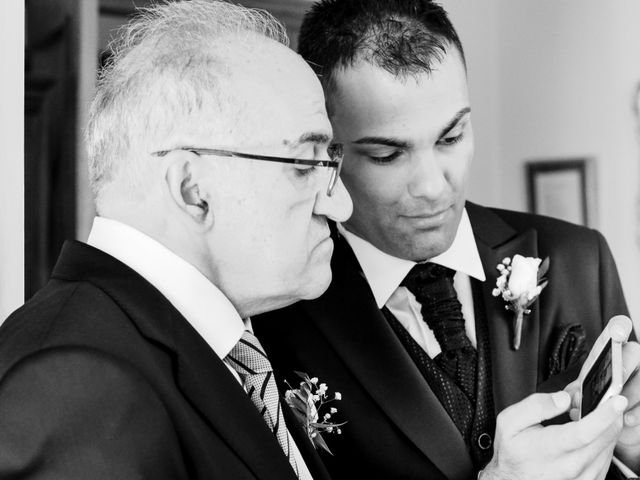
(574, 414)
(588, 463)
(631, 361)
(632, 417)
(600, 466)
(573, 389)
(601, 426)
(599, 460)
(631, 388)
(532, 411)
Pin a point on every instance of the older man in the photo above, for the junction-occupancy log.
(410, 331)
(208, 144)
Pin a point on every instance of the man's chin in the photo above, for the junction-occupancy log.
(421, 249)
(318, 283)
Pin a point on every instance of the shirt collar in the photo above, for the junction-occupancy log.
(385, 272)
(203, 305)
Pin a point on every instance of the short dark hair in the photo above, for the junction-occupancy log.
(404, 37)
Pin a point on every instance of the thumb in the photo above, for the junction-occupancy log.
(532, 411)
(594, 426)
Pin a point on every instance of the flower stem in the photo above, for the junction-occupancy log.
(517, 329)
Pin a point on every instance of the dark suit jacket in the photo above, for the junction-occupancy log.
(396, 426)
(101, 378)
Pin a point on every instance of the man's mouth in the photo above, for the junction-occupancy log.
(428, 219)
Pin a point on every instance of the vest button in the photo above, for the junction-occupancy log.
(484, 441)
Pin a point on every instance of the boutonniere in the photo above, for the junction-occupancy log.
(307, 403)
(520, 282)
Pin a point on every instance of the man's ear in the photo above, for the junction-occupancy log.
(186, 192)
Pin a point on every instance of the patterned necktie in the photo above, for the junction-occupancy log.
(248, 358)
(432, 286)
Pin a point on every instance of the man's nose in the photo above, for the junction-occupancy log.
(428, 180)
(337, 207)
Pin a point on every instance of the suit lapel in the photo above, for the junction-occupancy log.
(347, 314)
(514, 373)
(220, 398)
(201, 375)
(307, 450)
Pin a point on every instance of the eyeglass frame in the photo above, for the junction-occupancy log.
(335, 151)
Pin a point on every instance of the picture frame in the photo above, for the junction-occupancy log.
(562, 188)
(636, 106)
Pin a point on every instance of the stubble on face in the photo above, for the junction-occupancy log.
(408, 145)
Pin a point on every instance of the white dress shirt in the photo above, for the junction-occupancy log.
(385, 273)
(199, 301)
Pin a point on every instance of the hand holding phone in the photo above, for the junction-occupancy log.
(601, 376)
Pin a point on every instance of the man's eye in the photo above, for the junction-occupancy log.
(304, 171)
(386, 159)
(450, 140)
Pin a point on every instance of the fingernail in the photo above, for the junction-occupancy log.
(619, 403)
(561, 399)
(630, 420)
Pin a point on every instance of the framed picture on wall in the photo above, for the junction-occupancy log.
(636, 105)
(563, 189)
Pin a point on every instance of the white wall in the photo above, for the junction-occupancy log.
(477, 26)
(552, 79)
(548, 79)
(88, 53)
(11, 156)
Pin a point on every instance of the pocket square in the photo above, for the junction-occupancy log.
(569, 348)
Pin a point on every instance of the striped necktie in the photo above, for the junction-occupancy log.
(248, 358)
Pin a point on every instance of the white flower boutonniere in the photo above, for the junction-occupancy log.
(306, 403)
(520, 282)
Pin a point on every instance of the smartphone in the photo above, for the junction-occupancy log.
(601, 375)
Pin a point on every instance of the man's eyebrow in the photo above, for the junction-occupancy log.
(454, 121)
(309, 137)
(397, 143)
(387, 141)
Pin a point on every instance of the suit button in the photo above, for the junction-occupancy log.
(484, 441)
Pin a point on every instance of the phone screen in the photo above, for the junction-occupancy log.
(597, 381)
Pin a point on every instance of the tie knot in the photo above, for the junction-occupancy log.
(424, 274)
(432, 285)
(247, 357)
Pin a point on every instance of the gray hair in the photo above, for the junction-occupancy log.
(167, 65)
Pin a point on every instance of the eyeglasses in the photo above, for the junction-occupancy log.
(335, 151)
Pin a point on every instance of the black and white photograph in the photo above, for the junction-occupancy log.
(320, 239)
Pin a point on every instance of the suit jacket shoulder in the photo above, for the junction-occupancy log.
(489, 224)
(579, 255)
(65, 313)
(98, 326)
(44, 396)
